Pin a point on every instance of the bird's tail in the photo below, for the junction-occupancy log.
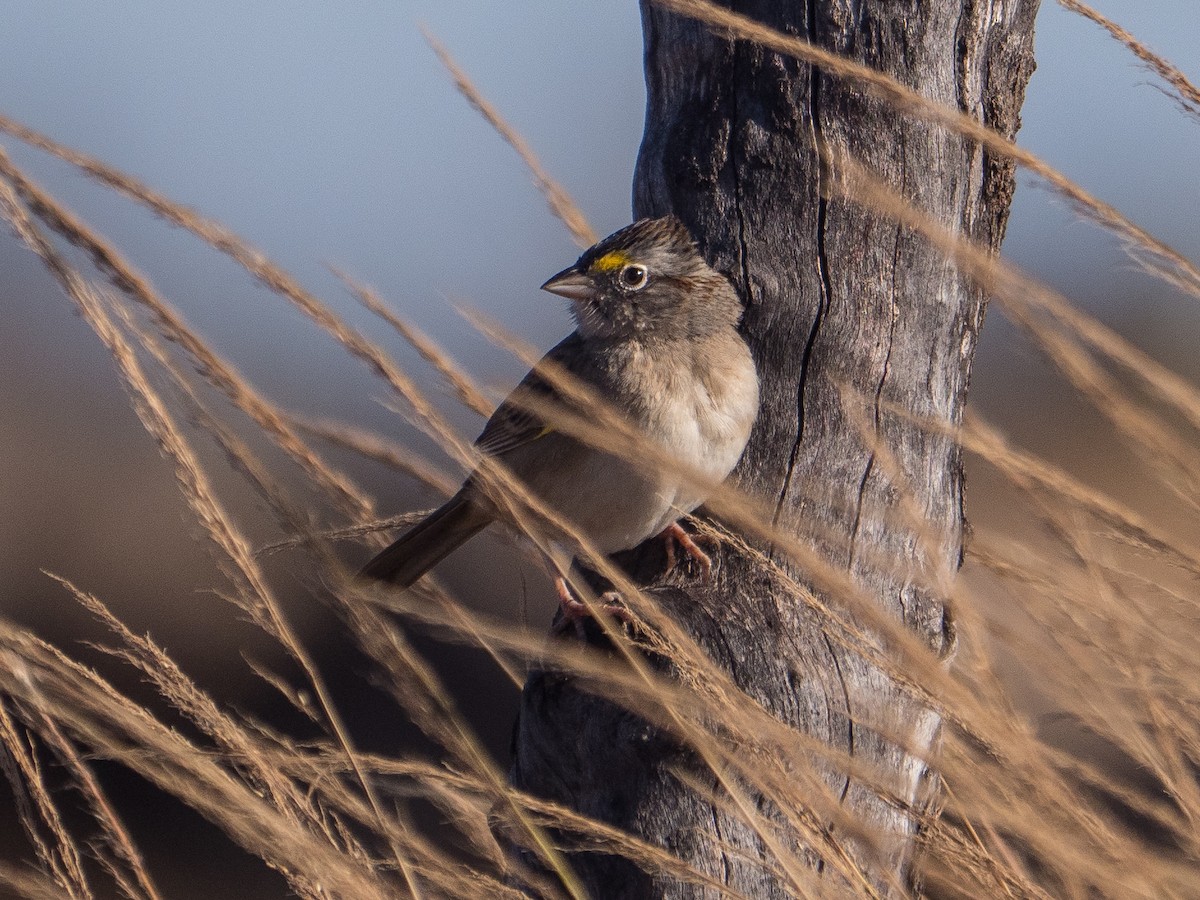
(428, 542)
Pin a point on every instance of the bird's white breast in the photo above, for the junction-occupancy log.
(699, 411)
(703, 418)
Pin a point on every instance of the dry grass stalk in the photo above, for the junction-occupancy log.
(58, 854)
(900, 96)
(1018, 293)
(395, 523)
(1032, 751)
(28, 884)
(468, 394)
(118, 729)
(214, 369)
(595, 422)
(1156, 255)
(260, 599)
(1030, 304)
(1017, 823)
(561, 204)
(1186, 93)
(239, 455)
(114, 848)
(378, 448)
(269, 613)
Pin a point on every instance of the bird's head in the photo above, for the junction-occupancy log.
(649, 281)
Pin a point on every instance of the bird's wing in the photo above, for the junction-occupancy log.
(513, 424)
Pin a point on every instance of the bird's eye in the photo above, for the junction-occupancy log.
(634, 277)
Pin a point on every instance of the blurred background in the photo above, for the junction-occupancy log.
(330, 135)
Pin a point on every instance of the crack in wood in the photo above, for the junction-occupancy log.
(736, 161)
(887, 362)
(822, 260)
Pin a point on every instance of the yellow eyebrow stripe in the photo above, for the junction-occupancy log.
(610, 261)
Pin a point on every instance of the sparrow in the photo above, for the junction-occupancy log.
(657, 338)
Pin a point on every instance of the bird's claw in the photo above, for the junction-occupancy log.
(575, 612)
(674, 535)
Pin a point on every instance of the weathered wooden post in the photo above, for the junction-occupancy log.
(836, 297)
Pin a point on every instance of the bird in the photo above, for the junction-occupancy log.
(657, 337)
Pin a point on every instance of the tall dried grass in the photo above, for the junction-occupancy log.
(1098, 610)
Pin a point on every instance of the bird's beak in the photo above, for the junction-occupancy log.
(572, 284)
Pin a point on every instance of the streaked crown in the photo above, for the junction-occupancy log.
(642, 241)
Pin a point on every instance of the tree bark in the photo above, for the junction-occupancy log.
(836, 298)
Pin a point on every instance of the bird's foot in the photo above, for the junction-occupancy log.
(575, 612)
(674, 536)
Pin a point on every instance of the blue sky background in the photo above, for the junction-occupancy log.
(328, 133)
